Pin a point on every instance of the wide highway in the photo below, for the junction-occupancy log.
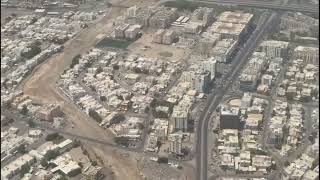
(265, 5)
(214, 99)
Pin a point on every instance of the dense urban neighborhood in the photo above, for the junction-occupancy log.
(160, 90)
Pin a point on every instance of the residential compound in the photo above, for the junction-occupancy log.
(231, 25)
(38, 39)
(237, 144)
(64, 161)
(271, 121)
(144, 82)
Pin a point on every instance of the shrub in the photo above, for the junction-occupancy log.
(103, 98)
(124, 141)
(34, 50)
(53, 136)
(75, 60)
(163, 160)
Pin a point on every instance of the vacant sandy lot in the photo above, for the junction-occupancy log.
(153, 50)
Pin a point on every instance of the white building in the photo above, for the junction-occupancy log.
(274, 48)
(308, 54)
(179, 120)
(175, 143)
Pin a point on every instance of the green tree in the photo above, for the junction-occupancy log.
(22, 149)
(24, 170)
(34, 50)
(94, 163)
(103, 98)
(44, 162)
(75, 60)
(51, 154)
(53, 136)
(94, 115)
(24, 110)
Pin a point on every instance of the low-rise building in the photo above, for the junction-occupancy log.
(132, 31)
(13, 168)
(119, 31)
(309, 54)
(48, 112)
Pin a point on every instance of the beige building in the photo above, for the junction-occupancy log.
(119, 31)
(274, 48)
(157, 37)
(309, 54)
(169, 37)
(48, 112)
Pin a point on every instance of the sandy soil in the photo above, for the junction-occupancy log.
(41, 86)
(124, 167)
(154, 49)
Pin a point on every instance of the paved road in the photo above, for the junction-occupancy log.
(260, 4)
(214, 99)
(266, 5)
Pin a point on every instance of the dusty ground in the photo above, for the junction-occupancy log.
(41, 86)
(154, 49)
(123, 165)
(5, 12)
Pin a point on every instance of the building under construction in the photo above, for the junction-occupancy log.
(160, 17)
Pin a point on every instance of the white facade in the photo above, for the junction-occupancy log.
(175, 143)
(308, 54)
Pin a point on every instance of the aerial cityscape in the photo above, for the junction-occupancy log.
(160, 90)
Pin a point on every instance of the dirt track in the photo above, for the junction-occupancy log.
(41, 86)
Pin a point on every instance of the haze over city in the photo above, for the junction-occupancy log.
(160, 89)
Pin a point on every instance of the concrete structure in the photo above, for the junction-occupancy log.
(202, 81)
(223, 50)
(274, 48)
(119, 31)
(179, 120)
(169, 37)
(132, 31)
(163, 17)
(235, 17)
(229, 118)
(48, 112)
(309, 54)
(175, 143)
(13, 168)
(92, 172)
(203, 15)
(228, 30)
(157, 37)
(210, 66)
(193, 27)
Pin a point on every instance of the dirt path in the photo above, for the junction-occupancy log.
(124, 167)
(42, 87)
